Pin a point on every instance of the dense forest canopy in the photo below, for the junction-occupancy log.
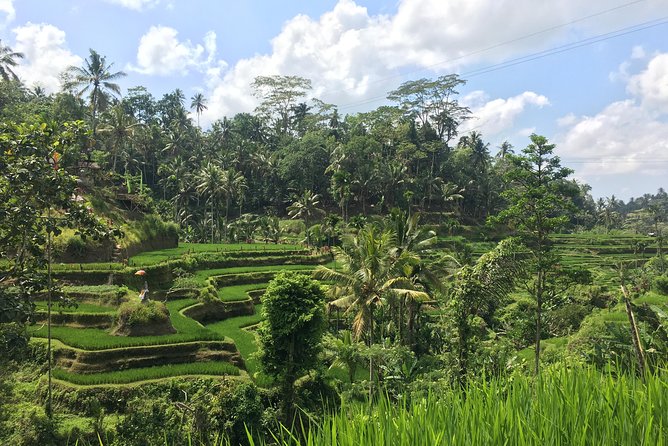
(408, 155)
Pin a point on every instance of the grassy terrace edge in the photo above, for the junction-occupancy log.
(148, 373)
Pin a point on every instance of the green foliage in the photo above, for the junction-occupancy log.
(660, 284)
(239, 411)
(35, 203)
(477, 293)
(13, 341)
(141, 374)
(135, 313)
(35, 428)
(591, 408)
(291, 334)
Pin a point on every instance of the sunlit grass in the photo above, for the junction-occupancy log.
(146, 373)
(153, 257)
(245, 340)
(188, 330)
(564, 407)
(238, 292)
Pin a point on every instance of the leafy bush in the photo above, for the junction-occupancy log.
(660, 285)
(135, 314)
(13, 340)
(238, 410)
(566, 319)
(182, 282)
(34, 428)
(292, 227)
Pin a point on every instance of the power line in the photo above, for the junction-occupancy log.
(498, 45)
(569, 46)
(528, 58)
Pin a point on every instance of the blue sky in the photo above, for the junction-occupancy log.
(605, 103)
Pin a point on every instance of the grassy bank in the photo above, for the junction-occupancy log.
(564, 407)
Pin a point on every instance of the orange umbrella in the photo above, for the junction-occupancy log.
(141, 272)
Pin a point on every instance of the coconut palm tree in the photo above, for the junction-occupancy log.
(199, 105)
(233, 184)
(120, 128)
(365, 280)
(209, 183)
(8, 62)
(94, 77)
(305, 207)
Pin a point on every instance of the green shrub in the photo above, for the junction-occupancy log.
(566, 319)
(13, 340)
(293, 227)
(185, 282)
(134, 313)
(660, 285)
(34, 428)
(238, 410)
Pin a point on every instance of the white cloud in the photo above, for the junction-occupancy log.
(492, 117)
(628, 136)
(45, 55)
(638, 52)
(136, 5)
(160, 52)
(651, 85)
(567, 120)
(7, 7)
(354, 58)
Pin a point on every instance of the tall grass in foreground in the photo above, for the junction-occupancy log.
(566, 407)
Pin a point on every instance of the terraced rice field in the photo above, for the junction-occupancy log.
(231, 311)
(93, 356)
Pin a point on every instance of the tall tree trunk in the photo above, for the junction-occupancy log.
(288, 386)
(637, 345)
(539, 308)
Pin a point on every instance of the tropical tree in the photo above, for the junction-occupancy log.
(209, 183)
(198, 104)
(408, 257)
(96, 78)
(8, 61)
(291, 334)
(451, 193)
(36, 204)
(366, 278)
(537, 207)
(234, 185)
(477, 292)
(432, 103)
(278, 96)
(305, 207)
(119, 128)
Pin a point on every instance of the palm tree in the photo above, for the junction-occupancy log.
(208, 184)
(366, 278)
(451, 193)
(411, 244)
(305, 207)
(199, 105)
(120, 128)
(233, 184)
(94, 77)
(8, 62)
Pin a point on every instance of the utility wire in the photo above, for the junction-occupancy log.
(537, 55)
(569, 46)
(498, 45)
